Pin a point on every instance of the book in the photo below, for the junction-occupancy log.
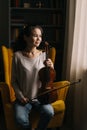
(14, 33)
(17, 4)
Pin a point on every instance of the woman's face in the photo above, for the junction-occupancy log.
(35, 38)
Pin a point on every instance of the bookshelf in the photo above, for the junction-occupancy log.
(50, 14)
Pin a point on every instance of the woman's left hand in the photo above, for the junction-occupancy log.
(49, 63)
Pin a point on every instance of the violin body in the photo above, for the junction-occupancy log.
(47, 76)
(48, 98)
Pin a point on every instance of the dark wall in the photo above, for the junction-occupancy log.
(4, 22)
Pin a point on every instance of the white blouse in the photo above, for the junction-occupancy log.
(25, 77)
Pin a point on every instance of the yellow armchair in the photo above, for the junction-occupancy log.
(8, 95)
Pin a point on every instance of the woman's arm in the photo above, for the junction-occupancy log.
(14, 80)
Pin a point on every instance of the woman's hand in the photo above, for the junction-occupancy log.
(24, 100)
(49, 63)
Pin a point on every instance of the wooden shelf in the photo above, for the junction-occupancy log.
(36, 9)
(44, 26)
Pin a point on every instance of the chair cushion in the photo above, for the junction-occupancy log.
(58, 106)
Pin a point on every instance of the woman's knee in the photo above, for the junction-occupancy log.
(50, 113)
(48, 110)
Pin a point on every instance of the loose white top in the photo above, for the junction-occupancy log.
(24, 77)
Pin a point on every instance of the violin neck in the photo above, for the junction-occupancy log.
(47, 50)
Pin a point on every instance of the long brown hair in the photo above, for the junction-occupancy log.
(20, 43)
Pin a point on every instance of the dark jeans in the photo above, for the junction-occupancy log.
(22, 114)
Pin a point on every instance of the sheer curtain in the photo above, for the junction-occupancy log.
(75, 59)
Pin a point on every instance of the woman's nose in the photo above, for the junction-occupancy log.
(38, 38)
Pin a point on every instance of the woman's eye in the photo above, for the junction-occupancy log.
(37, 36)
(34, 35)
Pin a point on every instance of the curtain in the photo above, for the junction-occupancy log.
(75, 61)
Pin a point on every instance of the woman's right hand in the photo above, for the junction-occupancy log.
(24, 100)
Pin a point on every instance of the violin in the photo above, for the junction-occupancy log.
(50, 91)
(47, 76)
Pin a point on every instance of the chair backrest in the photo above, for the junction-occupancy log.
(7, 62)
(7, 55)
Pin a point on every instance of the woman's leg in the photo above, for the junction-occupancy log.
(22, 115)
(46, 113)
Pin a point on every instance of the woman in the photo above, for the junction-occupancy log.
(26, 63)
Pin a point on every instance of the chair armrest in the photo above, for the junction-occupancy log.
(62, 89)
